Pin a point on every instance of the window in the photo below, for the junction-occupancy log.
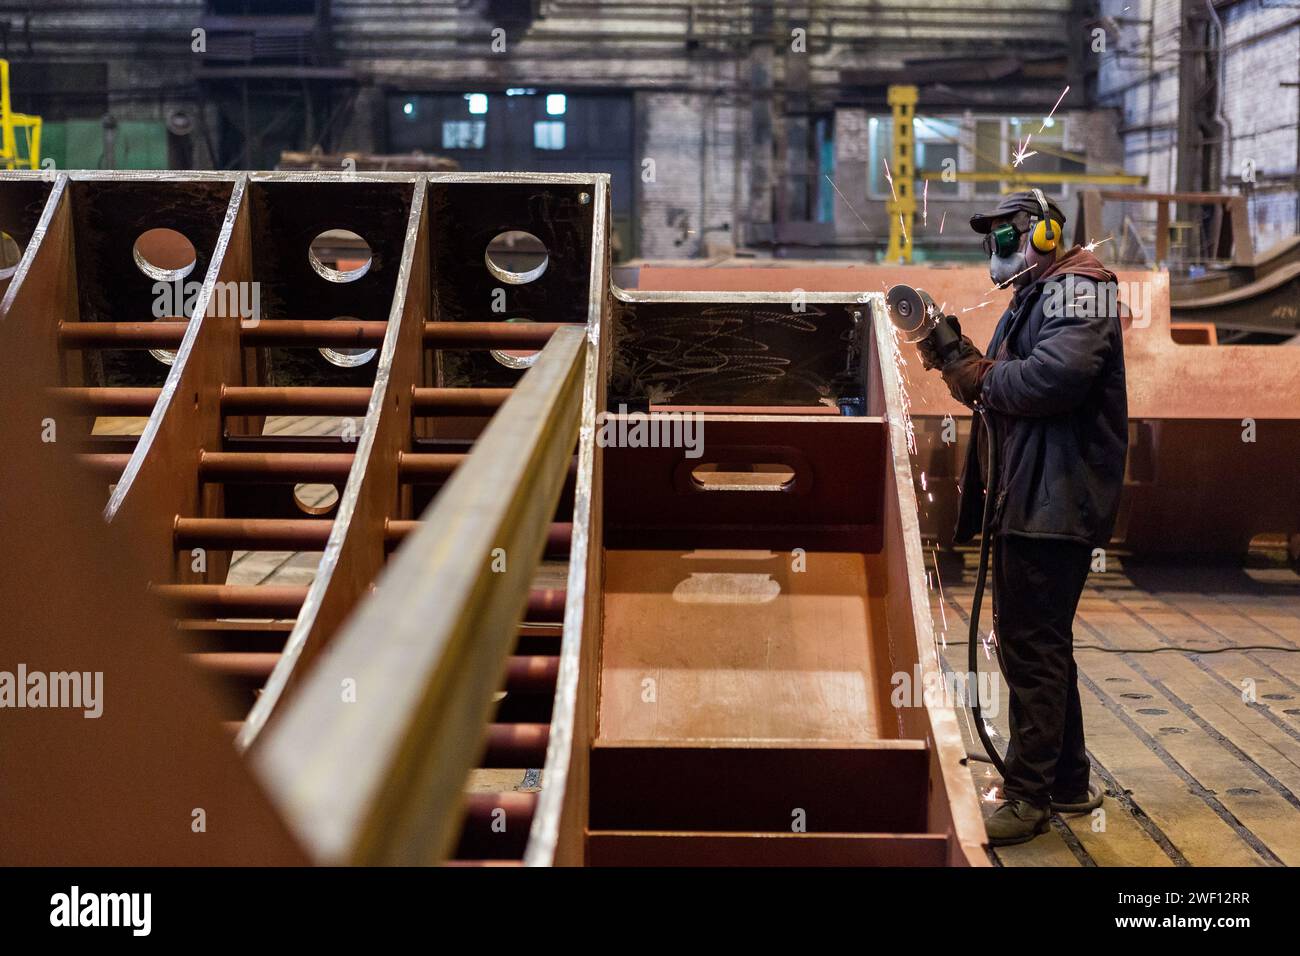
(463, 134)
(997, 140)
(1047, 140)
(989, 157)
(936, 141)
(880, 133)
(556, 104)
(548, 134)
(478, 103)
(824, 140)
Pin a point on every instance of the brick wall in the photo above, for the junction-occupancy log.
(1138, 75)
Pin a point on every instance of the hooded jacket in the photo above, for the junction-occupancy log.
(1055, 396)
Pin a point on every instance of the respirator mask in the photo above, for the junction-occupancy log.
(1005, 247)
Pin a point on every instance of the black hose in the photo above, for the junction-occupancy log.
(981, 576)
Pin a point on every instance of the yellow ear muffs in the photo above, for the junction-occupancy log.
(1046, 235)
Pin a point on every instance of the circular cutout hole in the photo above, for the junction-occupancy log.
(516, 257)
(339, 255)
(315, 499)
(11, 251)
(164, 255)
(166, 356)
(516, 358)
(347, 358)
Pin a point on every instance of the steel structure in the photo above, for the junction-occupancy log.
(1202, 418)
(772, 622)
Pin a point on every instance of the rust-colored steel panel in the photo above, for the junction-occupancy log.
(824, 495)
(1191, 406)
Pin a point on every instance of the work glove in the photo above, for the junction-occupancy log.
(930, 356)
(964, 375)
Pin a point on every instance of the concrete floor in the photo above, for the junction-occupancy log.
(1190, 682)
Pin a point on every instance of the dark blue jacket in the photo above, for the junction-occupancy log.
(1056, 397)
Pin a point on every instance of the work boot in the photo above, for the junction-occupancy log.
(1079, 803)
(1016, 822)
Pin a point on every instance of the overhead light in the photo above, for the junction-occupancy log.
(478, 102)
(408, 108)
(556, 103)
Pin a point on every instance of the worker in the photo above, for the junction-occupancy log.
(1052, 386)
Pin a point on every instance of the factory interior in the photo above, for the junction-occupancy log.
(458, 434)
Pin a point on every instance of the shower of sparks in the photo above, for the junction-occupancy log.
(1058, 103)
(1023, 151)
(923, 488)
(1095, 243)
(972, 308)
(997, 288)
(847, 203)
(925, 204)
(890, 179)
(944, 614)
(991, 794)
(942, 220)
(1022, 146)
(902, 227)
(900, 363)
(930, 495)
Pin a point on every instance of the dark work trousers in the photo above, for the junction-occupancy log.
(1036, 587)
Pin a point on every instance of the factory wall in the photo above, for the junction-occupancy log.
(944, 211)
(714, 84)
(1138, 75)
(1263, 52)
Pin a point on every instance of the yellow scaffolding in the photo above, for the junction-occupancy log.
(1017, 179)
(10, 123)
(902, 204)
(902, 209)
